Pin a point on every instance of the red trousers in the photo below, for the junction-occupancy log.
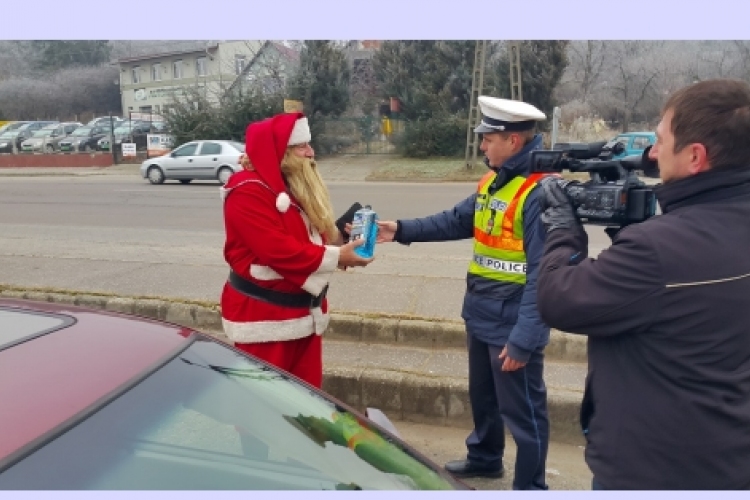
(301, 357)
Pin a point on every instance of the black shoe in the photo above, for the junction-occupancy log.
(464, 468)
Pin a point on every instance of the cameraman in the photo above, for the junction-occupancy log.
(667, 307)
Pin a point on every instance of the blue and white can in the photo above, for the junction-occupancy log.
(364, 225)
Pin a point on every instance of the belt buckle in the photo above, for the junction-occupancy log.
(317, 301)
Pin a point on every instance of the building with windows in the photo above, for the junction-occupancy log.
(148, 83)
(269, 69)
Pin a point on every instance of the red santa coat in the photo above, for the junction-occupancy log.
(270, 242)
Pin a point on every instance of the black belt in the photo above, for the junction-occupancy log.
(300, 300)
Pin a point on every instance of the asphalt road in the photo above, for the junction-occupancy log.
(119, 234)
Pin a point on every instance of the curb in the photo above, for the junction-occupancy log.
(370, 328)
(403, 396)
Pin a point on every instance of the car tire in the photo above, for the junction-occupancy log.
(87, 148)
(155, 175)
(185, 181)
(224, 174)
(49, 148)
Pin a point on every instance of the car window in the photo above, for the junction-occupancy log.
(210, 148)
(81, 131)
(238, 146)
(18, 325)
(186, 150)
(641, 143)
(70, 128)
(624, 139)
(212, 419)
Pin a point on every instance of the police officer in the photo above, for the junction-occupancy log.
(505, 334)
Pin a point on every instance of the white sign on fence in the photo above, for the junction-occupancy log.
(128, 149)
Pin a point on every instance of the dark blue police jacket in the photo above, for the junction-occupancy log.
(495, 312)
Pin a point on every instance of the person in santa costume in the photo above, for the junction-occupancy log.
(282, 245)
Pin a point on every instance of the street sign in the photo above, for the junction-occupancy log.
(128, 149)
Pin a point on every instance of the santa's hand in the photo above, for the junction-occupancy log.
(347, 257)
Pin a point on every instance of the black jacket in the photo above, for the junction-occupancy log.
(667, 312)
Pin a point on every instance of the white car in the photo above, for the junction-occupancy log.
(200, 160)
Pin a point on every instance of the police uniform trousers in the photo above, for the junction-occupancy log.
(517, 399)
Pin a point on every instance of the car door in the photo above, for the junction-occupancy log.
(208, 160)
(625, 140)
(181, 162)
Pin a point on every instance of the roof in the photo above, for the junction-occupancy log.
(162, 55)
(287, 52)
(95, 352)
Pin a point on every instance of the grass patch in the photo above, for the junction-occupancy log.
(436, 170)
(428, 169)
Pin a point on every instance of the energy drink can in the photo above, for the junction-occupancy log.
(364, 226)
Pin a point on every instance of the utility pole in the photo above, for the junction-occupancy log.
(514, 51)
(477, 83)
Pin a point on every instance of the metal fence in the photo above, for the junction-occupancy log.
(359, 136)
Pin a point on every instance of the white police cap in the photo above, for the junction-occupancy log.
(505, 115)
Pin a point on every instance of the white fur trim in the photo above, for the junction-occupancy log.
(315, 283)
(283, 202)
(263, 273)
(275, 331)
(315, 236)
(300, 132)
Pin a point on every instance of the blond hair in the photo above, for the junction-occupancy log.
(307, 187)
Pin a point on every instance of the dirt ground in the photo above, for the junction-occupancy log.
(566, 469)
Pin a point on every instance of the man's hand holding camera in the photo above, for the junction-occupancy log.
(557, 208)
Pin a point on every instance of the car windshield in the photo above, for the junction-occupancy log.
(212, 419)
(82, 131)
(8, 135)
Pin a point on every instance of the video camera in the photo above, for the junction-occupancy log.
(613, 195)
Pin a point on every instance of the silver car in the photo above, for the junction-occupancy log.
(200, 160)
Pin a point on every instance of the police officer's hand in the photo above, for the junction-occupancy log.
(386, 230)
(510, 364)
(557, 209)
(347, 257)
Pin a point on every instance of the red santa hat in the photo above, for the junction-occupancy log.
(265, 144)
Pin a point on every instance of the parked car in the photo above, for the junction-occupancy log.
(635, 142)
(47, 139)
(127, 131)
(96, 400)
(6, 141)
(82, 139)
(25, 131)
(103, 121)
(203, 160)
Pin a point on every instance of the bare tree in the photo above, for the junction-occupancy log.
(586, 64)
(631, 79)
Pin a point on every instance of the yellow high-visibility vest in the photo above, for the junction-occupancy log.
(498, 229)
